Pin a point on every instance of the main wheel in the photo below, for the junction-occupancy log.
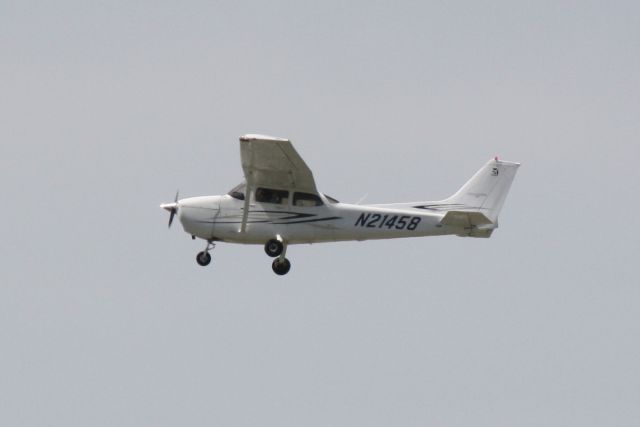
(273, 248)
(281, 267)
(203, 258)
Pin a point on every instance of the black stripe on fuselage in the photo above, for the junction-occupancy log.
(445, 207)
(290, 218)
(331, 218)
(292, 215)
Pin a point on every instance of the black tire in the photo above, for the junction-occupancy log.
(203, 258)
(281, 267)
(273, 248)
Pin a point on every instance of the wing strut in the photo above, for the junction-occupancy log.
(248, 194)
(245, 210)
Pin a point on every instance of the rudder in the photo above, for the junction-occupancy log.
(487, 190)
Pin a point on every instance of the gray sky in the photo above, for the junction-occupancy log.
(106, 108)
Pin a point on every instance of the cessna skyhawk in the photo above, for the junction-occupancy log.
(278, 205)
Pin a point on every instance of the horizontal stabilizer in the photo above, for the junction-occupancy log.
(464, 219)
(474, 224)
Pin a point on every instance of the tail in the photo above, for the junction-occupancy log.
(476, 206)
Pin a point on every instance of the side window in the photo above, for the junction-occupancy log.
(268, 195)
(306, 199)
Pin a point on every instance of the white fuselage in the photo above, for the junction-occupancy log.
(219, 218)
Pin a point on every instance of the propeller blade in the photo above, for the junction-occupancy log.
(174, 208)
(171, 207)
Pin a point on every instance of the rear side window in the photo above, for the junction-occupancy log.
(331, 199)
(306, 199)
(268, 195)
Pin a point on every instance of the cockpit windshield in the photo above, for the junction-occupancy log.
(238, 191)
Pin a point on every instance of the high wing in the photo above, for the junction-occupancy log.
(274, 163)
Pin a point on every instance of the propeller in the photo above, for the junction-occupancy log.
(171, 207)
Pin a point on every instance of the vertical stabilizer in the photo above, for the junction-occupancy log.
(487, 190)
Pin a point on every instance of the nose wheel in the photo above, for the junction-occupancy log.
(204, 258)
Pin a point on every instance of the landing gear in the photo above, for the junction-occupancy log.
(277, 248)
(204, 258)
(281, 266)
(274, 247)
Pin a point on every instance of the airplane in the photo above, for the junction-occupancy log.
(278, 204)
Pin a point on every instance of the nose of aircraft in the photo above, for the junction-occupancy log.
(169, 207)
(172, 208)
